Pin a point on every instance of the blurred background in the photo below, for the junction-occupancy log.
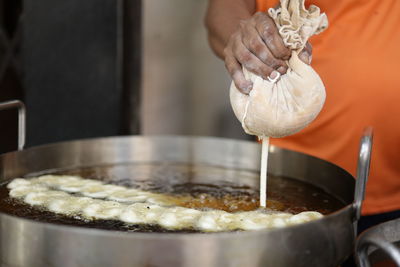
(111, 67)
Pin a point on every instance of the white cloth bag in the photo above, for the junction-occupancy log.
(287, 105)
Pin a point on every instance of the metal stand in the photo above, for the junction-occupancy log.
(21, 119)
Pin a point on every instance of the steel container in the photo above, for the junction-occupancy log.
(324, 242)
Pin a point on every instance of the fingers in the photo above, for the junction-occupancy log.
(236, 72)
(258, 46)
(306, 54)
(250, 61)
(268, 31)
(253, 42)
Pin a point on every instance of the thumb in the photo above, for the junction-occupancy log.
(306, 54)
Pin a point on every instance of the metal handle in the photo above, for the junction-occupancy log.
(364, 160)
(21, 119)
(364, 243)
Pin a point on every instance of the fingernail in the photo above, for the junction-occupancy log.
(282, 69)
(246, 89)
(274, 74)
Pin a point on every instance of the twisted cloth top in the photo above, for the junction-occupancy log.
(296, 24)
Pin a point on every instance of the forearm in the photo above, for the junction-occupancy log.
(223, 18)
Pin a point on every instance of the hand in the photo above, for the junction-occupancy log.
(257, 45)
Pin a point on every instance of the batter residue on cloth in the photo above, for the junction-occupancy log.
(92, 199)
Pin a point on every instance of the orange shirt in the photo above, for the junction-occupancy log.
(358, 59)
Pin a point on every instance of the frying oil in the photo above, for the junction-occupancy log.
(182, 181)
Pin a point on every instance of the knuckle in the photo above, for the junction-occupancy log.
(230, 66)
(278, 49)
(269, 31)
(227, 51)
(244, 56)
(264, 55)
(231, 69)
(256, 46)
(234, 46)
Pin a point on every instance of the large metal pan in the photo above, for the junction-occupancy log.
(324, 242)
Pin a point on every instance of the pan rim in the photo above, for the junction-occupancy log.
(104, 232)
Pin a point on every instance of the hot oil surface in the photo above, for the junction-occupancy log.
(197, 187)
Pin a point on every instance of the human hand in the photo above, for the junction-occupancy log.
(258, 46)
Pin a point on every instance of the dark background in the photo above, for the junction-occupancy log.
(75, 64)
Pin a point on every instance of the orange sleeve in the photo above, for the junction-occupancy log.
(263, 5)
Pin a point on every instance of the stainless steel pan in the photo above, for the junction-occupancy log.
(325, 242)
